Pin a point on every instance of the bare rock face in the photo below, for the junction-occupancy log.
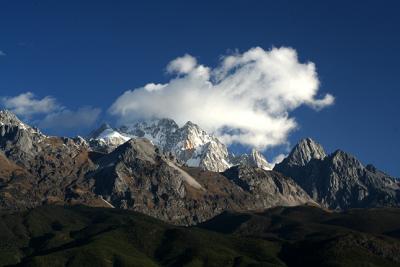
(268, 187)
(140, 177)
(339, 181)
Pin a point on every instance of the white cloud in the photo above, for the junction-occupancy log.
(182, 65)
(246, 99)
(47, 113)
(71, 120)
(2, 53)
(26, 104)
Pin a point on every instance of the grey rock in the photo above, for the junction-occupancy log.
(339, 181)
(140, 177)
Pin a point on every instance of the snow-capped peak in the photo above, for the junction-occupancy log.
(254, 158)
(106, 139)
(259, 160)
(190, 144)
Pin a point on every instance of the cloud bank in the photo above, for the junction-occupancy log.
(47, 113)
(246, 99)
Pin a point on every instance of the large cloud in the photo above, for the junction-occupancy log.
(246, 99)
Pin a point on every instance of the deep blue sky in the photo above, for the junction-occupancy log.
(89, 52)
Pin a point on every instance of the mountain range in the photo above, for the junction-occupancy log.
(181, 175)
(190, 144)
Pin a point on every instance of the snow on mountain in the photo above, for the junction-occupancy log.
(255, 159)
(190, 144)
(106, 139)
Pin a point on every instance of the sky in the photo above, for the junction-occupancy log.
(257, 73)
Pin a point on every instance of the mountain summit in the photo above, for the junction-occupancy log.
(306, 150)
(190, 144)
(339, 180)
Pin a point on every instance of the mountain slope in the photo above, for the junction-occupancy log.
(296, 236)
(138, 176)
(310, 236)
(81, 236)
(44, 169)
(339, 180)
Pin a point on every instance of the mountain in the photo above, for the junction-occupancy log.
(190, 144)
(139, 176)
(305, 151)
(37, 169)
(158, 180)
(339, 180)
(255, 159)
(105, 139)
(291, 236)
(40, 169)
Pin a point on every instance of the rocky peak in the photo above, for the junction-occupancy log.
(306, 150)
(9, 119)
(105, 139)
(259, 160)
(15, 136)
(191, 126)
(97, 132)
(139, 148)
(339, 180)
(255, 159)
(193, 136)
(340, 158)
(167, 123)
(190, 144)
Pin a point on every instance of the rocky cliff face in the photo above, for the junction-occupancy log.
(339, 180)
